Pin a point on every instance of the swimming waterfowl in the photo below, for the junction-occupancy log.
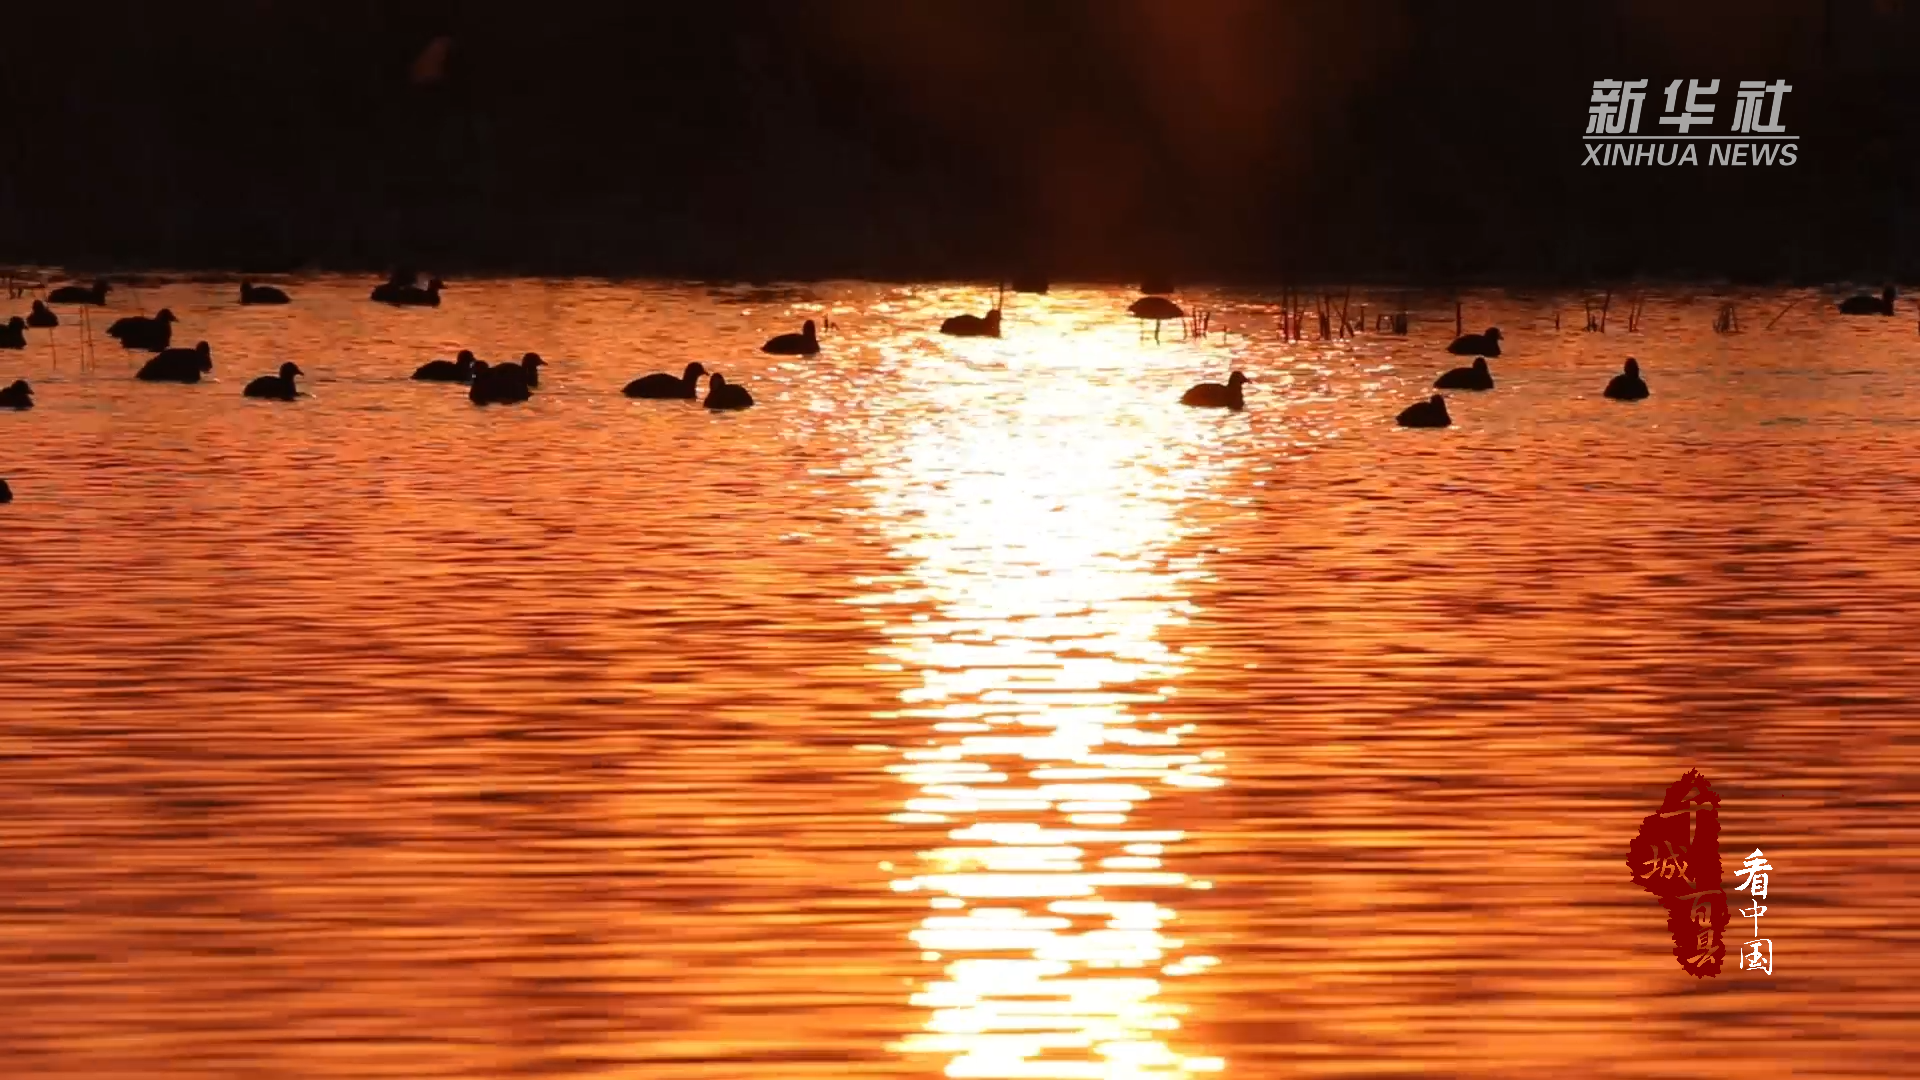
(1628, 386)
(459, 369)
(13, 335)
(407, 294)
(1869, 305)
(1212, 395)
(6, 493)
(140, 332)
(1430, 413)
(95, 293)
(804, 343)
(527, 370)
(1156, 308)
(503, 384)
(178, 365)
(1487, 344)
(17, 396)
(278, 387)
(973, 325)
(662, 386)
(42, 317)
(260, 294)
(722, 394)
(1476, 377)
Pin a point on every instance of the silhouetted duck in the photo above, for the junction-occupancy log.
(1429, 413)
(1476, 377)
(260, 294)
(1156, 308)
(804, 343)
(1487, 344)
(502, 384)
(1212, 395)
(660, 385)
(13, 335)
(973, 325)
(17, 396)
(528, 369)
(407, 294)
(140, 332)
(6, 493)
(95, 293)
(1868, 305)
(178, 365)
(278, 387)
(459, 369)
(1628, 386)
(722, 394)
(42, 317)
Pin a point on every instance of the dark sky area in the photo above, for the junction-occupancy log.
(1210, 139)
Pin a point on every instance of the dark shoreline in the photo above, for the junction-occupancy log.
(1310, 285)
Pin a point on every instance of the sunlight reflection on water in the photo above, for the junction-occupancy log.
(1046, 565)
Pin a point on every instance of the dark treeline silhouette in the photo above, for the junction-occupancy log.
(1215, 139)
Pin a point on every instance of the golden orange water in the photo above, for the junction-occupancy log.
(965, 708)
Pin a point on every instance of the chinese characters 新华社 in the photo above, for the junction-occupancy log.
(1616, 103)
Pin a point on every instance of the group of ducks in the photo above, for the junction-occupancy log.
(512, 382)
(1431, 413)
(488, 384)
(501, 384)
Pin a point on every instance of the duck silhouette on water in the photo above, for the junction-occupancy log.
(1487, 344)
(1431, 413)
(13, 335)
(1157, 308)
(261, 294)
(277, 387)
(661, 386)
(407, 294)
(95, 294)
(1628, 385)
(527, 369)
(973, 325)
(178, 365)
(500, 384)
(42, 317)
(1869, 305)
(1476, 377)
(459, 369)
(6, 493)
(140, 332)
(17, 396)
(804, 343)
(722, 394)
(1212, 395)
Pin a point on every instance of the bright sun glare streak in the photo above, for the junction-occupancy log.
(1040, 536)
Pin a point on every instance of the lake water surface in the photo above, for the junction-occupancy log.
(966, 706)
